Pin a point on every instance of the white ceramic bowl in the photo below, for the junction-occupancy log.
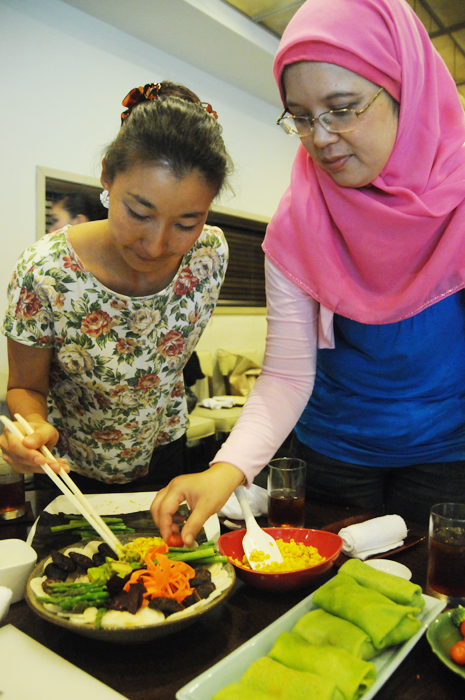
(17, 560)
(390, 567)
(5, 600)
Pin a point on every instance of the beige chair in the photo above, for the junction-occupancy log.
(237, 372)
(224, 418)
(239, 369)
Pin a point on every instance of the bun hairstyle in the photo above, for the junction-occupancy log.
(166, 124)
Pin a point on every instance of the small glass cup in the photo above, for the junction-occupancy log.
(12, 493)
(446, 553)
(286, 492)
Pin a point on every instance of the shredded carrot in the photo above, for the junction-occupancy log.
(160, 548)
(163, 578)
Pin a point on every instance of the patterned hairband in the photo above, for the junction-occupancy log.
(151, 91)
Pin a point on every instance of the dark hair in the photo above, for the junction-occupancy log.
(83, 203)
(173, 130)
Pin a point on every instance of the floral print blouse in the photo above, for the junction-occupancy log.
(116, 383)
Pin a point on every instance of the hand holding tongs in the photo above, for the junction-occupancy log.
(73, 493)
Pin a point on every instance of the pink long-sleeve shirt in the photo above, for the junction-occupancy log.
(297, 325)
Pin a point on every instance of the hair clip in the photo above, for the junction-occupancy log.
(139, 95)
(151, 91)
(208, 108)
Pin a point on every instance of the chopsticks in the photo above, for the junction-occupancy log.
(73, 493)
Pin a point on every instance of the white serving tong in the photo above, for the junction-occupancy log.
(255, 538)
(73, 493)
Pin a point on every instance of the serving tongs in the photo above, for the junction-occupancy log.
(73, 493)
(256, 539)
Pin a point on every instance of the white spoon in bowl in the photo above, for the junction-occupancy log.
(255, 538)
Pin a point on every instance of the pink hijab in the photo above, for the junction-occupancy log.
(384, 252)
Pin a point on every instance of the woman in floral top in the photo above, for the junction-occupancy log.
(103, 316)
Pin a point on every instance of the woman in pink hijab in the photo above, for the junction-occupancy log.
(365, 261)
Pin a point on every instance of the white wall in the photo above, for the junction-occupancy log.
(64, 75)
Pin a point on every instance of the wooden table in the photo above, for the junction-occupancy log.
(156, 670)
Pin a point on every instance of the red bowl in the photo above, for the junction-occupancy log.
(328, 544)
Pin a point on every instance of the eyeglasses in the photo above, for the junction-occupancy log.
(336, 121)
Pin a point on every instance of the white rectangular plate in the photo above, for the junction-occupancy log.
(29, 670)
(232, 667)
(117, 504)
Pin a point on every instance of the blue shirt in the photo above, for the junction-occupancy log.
(393, 394)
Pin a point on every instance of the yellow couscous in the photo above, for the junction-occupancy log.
(296, 555)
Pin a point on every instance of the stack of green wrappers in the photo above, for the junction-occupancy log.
(266, 679)
(320, 627)
(361, 611)
(397, 589)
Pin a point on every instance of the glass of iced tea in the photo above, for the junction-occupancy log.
(446, 553)
(12, 495)
(286, 492)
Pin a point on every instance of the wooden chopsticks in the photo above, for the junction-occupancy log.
(73, 493)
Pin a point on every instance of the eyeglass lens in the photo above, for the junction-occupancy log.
(336, 122)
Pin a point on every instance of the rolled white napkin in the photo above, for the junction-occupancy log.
(217, 402)
(373, 536)
(257, 498)
(6, 595)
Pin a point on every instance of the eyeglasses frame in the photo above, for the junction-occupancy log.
(311, 121)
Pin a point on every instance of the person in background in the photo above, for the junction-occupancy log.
(365, 261)
(103, 316)
(192, 373)
(75, 208)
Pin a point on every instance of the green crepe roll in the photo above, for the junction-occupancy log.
(352, 676)
(385, 622)
(324, 629)
(397, 589)
(239, 691)
(267, 678)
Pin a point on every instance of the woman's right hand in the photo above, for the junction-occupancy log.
(205, 492)
(23, 455)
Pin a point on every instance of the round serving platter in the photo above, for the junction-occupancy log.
(126, 635)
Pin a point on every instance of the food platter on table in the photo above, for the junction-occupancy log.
(224, 578)
(134, 509)
(232, 667)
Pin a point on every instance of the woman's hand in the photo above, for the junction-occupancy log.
(23, 455)
(28, 380)
(205, 493)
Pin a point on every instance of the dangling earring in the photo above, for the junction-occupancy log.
(105, 198)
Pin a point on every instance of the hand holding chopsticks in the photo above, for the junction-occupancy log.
(73, 493)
